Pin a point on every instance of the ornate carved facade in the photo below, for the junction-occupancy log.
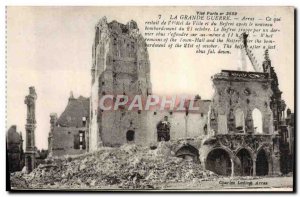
(245, 115)
(245, 91)
(236, 133)
(233, 144)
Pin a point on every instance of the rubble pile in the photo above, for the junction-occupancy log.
(127, 167)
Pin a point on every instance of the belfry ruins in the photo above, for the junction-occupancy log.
(238, 132)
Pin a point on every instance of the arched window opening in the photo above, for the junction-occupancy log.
(218, 161)
(163, 130)
(239, 121)
(262, 167)
(246, 162)
(257, 121)
(189, 153)
(130, 136)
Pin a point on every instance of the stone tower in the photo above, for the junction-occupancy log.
(30, 127)
(120, 67)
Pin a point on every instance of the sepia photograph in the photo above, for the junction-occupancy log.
(150, 99)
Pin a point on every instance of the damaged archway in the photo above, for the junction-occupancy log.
(188, 152)
(262, 164)
(246, 162)
(163, 130)
(219, 161)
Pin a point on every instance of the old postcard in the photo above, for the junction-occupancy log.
(150, 98)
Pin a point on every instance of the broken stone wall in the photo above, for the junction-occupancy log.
(181, 125)
(196, 123)
(115, 124)
(244, 93)
(100, 50)
(121, 66)
(63, 141)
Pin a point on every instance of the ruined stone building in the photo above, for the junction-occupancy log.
(290, 134)
(14, 149)
(16, 158)
(241, 125)
(245, 122)
(120, 67)
(15, 152)
(286, 142)
(238, 132)
(67, 134)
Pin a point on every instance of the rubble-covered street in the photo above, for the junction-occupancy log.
(127, 167)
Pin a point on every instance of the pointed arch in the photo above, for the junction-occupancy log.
(188, 152)
(257, 121)
(239, 120)
(246, 162)
(262, 163)
(218, 161)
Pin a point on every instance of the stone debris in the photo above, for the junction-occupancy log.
(127, 167)
(18, 181)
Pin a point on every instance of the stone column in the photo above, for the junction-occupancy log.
(232, 167)
(53, 123)
(271, 171)
(254, 167)
(274, 158)
(203, 163)
(30, 128)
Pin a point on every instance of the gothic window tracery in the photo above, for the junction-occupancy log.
(257, 121)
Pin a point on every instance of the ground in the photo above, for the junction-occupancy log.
(136, 168)
(238, 184)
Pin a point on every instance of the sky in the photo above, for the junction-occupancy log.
(51, 48)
